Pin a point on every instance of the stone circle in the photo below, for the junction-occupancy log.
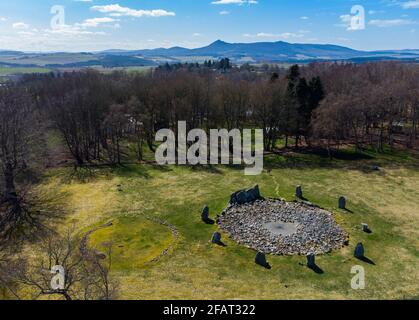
(274, 226)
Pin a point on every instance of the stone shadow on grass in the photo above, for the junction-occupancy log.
(367, 260)
(208, 221)
(316, 269)
(307, 158)
(220, 243)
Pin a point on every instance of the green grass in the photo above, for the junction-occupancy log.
(194, 269)
(136, 241)
(47, 59)
(6, 71)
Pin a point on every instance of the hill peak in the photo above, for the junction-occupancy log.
(218, 42)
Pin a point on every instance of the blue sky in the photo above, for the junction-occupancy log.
(91, 25)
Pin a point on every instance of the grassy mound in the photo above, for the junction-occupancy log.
(135, 240)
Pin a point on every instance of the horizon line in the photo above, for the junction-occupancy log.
(218, 40)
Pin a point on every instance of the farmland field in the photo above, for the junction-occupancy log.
(6, 71)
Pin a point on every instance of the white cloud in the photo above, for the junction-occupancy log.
(95, 22)
(20, 25)
(26, 33)
(224, 12)
(304, 18)
(63, 35)
(285, 35)
(238, 2)
(348, 23)
(3, 19)
(116, 10)
(391, 23)
(70, 30)
(414, 4)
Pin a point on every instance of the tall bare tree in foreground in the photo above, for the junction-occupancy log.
(16, 124)
(85, 272)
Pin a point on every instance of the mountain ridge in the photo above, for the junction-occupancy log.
(240, 52)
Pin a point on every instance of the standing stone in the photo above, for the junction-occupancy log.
(253, 193)
(205, 214)
(216, 238)
(245, 196)
(261, 259)
(311, 261)
(241, 197)
(359, 250)
(366, 228)
(299, 192)
(342, 203)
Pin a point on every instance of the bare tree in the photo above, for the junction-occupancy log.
(86, 273)
(16, 132)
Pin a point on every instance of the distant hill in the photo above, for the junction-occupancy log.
(279, 51)
(10, 52)
(107, 61)
(276, 51)
(258, 52)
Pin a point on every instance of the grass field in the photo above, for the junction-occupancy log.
(6, 71)
(143, 200)
(47, 59)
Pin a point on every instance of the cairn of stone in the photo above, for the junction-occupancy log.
(278, 227)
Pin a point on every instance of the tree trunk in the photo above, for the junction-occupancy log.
(67, 296)
(14, 212)
(9, 184)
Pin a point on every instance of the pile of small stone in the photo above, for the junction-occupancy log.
(316, 231)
